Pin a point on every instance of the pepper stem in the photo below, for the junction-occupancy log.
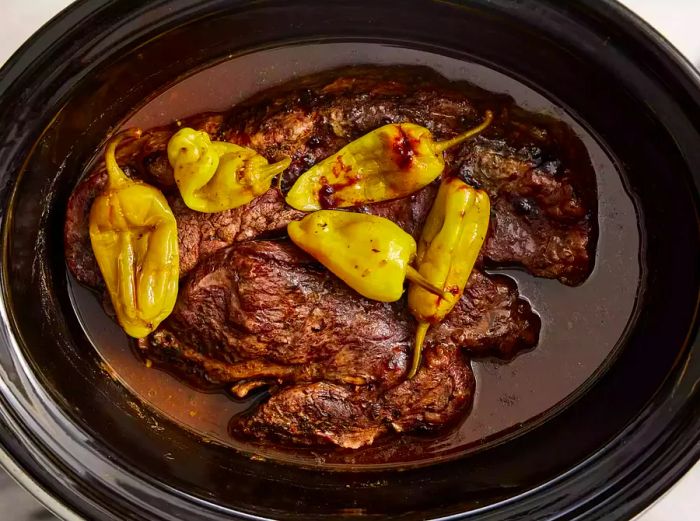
(444, 145)
(415, 277)
(115, 175)
(421, 330)
(270, 171)
(279, 183)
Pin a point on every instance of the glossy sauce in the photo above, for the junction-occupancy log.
(580, 326)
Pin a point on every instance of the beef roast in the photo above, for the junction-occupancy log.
(268, 301)
(534, 168)
(263, 313)
(327, 413)
(489, 319)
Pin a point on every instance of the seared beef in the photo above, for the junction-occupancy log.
(538, 205)
(264, 313)
(269, 302)
(76, 236)
(534, 168)
(439, 393)
(199, 234)
(409, 212)
(351, 417)
(313, 414)
(490, 319)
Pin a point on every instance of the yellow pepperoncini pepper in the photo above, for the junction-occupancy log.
(214, 176)
(370, 254)
(134, 237)
(390, 162)
(453, 234)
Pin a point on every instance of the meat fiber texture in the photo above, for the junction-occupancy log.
(337, 361)
(263, 313)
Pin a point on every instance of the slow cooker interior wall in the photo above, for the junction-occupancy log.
(604, 90)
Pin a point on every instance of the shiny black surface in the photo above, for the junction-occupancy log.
(82, 437)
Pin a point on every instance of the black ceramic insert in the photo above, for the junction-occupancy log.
(84, 441)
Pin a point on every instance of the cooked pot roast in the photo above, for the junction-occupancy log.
(254, 311)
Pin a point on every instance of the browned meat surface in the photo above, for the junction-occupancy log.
(76, 236)
(199, 234)
(264, 313)
(326, 413)
(538, 205)
(438, 394)
(264, 309)
(409, 213)
(487, 311)
(535, 169)
(268, 301)
(313, 414)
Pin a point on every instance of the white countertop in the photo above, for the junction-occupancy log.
(675, 19)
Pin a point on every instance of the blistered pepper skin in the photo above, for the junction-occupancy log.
(370, 254)
(134, 237)
(214, 176)
(449, 245)
(390, 162)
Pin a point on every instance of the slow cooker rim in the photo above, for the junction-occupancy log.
(86, 9)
